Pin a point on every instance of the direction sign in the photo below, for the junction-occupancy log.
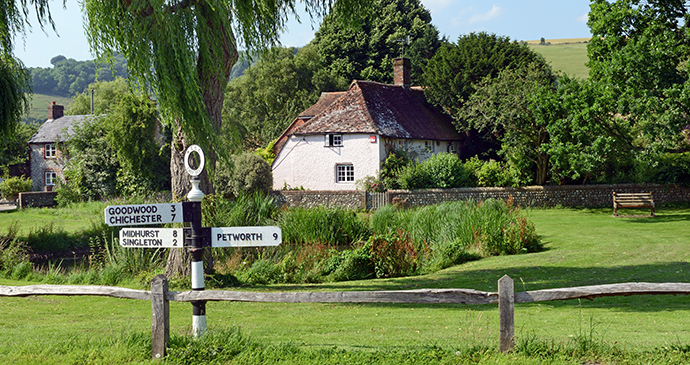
(246, 236)
(152, 237)
(132, 215)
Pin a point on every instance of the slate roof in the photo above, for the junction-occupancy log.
(58, 130)
(383, 109)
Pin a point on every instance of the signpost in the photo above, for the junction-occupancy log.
(133, 215)
(195, 238)
(152, 237)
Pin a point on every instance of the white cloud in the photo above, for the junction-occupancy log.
(493, 13)
(582, 19)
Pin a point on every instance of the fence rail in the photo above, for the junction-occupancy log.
(505, 297)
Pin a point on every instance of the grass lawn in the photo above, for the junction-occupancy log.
(584, 247)
(71, 220)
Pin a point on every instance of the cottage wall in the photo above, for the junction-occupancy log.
(306, 162)
(40, 164)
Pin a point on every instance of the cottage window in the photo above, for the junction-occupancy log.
(429, 146)
(345, 173)
(51, 178)
(334, 140)
(50, 151)
(452, 148)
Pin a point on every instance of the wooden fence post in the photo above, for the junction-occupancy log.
(160, 330)
(506, 310)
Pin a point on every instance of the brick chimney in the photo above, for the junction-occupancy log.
(401, 72)
(55, 111)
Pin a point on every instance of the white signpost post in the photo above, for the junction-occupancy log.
(195, 238)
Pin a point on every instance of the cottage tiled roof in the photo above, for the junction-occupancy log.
(58, 130)
(387, 110)
(325, 100)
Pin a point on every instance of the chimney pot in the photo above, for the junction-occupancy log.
(401, 72)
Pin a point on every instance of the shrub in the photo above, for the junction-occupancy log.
(414, 176)
(445, 170)
(392, 167)
(493, 173)
(11, 187)
(393, 254)
(251, 173)
(370, 184)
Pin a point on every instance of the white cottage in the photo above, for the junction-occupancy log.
(345, 136)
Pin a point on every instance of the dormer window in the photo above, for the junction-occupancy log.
(333, 140)
(50, 151)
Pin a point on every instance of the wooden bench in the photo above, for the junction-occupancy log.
(632, 200)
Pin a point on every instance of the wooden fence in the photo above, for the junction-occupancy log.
(505, 297)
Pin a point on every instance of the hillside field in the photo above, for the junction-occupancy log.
(567, 56)
(39, 105)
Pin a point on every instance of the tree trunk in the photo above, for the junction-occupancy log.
(213, 83)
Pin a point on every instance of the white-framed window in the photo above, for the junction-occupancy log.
(51, 178)
(50, 151)
(333, 140)
(429, 146)
(345, 173)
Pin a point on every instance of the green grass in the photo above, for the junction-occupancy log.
(583, 247)
(72, 219)
(568, 58)
(40, 102)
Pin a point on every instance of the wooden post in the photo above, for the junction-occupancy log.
(160, 330)
(506, 313)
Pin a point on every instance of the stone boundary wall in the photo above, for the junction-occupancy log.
(529, 196)
(545, 196)
(36, 199)
(351, 199)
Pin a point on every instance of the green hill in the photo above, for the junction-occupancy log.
(568, 56)
(38, 113)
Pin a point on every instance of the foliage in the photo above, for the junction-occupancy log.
(246, 210)
(393, 254)
(456, 232)
(446, 171)
(443, 170)
(638, 53)
(392, 167)
(14, 253)
(106, 95)
(328, 226)
(367, 53)
(15, 84)
(517, 106)
(456, 68)
(69, 77)
(12, 186)
(250, 174)
(272, 92)
(185, 51)
(116, 152)
(670, 168)
(13, 147)
(267, 153)
(496, 173)
(370, 184)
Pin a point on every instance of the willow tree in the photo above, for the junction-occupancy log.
(184, 51)
(15, 80)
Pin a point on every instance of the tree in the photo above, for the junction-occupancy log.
(15, 81)
(185, 52)
(454, 70)
(368, 53)
(518, 106)
(639, 54)
(272, 92)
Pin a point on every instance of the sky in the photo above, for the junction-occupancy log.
(521, 20)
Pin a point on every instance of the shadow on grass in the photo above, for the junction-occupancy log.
(527, 279)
